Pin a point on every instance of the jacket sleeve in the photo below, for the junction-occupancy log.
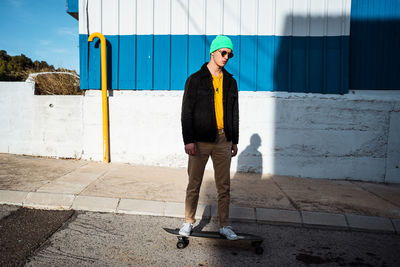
(235, 126)
(188, 103)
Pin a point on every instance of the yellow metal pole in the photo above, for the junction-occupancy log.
(106, 155)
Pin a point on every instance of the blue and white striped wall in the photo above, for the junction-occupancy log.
(375, 45)
(279, 45)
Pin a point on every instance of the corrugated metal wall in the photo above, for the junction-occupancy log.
(72, 8)
(375, 44)
(286, 45)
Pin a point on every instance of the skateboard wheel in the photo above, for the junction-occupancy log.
(181, 244)
(256, 243)
(259, 250)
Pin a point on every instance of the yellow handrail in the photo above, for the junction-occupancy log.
(106, 154)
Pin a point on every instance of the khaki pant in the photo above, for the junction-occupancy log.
(221, 154)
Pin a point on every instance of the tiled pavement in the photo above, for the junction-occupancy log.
(37, 182)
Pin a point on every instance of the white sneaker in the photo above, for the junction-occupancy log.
(186, 229)
(228, 233)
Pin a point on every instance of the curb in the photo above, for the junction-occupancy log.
(312, 219)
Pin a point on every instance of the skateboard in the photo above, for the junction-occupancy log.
(183, 241)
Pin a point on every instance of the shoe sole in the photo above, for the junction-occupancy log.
(184, 234)
(232, 239)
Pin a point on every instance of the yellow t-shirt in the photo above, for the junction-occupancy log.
(219, 107)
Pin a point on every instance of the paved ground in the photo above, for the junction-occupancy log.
(147, 190)
(109, 239)
(22, 231)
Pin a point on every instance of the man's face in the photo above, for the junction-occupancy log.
(219, 59)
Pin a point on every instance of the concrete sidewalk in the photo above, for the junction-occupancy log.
(122, 188)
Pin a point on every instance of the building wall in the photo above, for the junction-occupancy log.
(279, 45)
(375, 42)
(354, 136)
(39, 125)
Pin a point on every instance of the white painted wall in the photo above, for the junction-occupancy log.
(355, 136)
(39, 125)
(16, 109)
(212, 17)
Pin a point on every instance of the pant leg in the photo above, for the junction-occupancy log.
(221, 157)
(196, 166)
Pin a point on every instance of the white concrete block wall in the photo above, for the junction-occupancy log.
(336, 138)
(16, 117)
(355, 136)
(393, 151)
(39, 125)
(316, 136)
(144, 127)
(57, 126)
(306, 135)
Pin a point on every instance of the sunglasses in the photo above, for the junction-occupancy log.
(223, 54)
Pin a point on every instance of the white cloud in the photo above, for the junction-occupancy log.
(45, 42)
(15, 3)
(67, 31)
(61, 51)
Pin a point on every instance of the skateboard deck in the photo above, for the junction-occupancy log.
(183, 241)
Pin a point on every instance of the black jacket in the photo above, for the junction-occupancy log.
(198, 109)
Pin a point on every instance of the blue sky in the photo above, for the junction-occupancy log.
(41, 30)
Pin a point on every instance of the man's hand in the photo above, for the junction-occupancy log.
(234, 150)
(190, 149)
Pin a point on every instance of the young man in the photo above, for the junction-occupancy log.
(210, 127)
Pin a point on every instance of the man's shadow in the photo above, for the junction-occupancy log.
(205, 220)
(250, 159)
(247, 184)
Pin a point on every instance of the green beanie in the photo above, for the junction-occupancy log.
(221, 41)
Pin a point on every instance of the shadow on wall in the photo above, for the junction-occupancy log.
(310, 61)
(314, 60)
(322, 139)
(375, 53)
(250, 159)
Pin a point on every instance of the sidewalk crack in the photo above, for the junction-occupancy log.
(59, 177)
(286, 195)
(98, 177)
(378, 196)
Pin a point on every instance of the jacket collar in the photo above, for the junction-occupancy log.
(204, 71)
